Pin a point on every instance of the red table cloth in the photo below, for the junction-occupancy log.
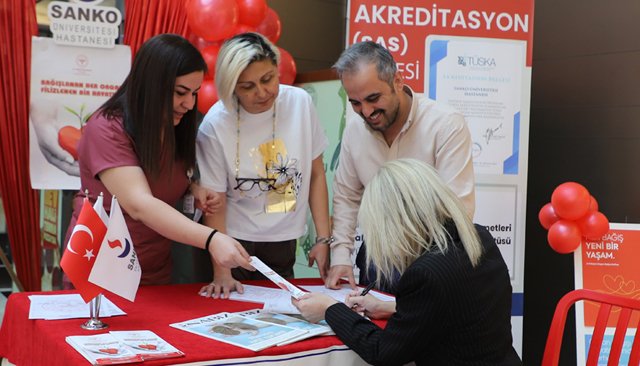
(42, 342)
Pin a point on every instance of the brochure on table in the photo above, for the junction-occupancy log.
(123, 347)
(310, 329)
(239, 331)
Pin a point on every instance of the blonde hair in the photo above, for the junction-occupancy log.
(403, 214)
(234, 56)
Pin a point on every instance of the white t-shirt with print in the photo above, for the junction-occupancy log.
(299, 139)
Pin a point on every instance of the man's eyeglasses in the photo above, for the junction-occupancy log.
(247, 184)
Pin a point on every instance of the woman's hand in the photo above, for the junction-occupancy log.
(370, 306)
(223, 283)
(206, 200)
(227, 252)
(313, 306)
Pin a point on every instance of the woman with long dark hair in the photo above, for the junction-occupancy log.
(140, 147)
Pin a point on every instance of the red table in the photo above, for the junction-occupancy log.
(42, 342)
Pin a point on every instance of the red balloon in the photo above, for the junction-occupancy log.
(593, 205)
(564, 236)
(210, 55)
(270, 26)
(287, 67)
(547, 216)
(213, 20)
(252, 12)
(207, 96)
(570, 200)
(594, 225)
(243, 28)
(200, 43)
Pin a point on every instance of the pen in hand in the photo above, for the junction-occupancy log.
(364, 292)
(367, 289)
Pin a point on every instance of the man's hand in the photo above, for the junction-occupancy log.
(320, 254)
(336, 273)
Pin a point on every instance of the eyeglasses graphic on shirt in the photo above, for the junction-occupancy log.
(247, 184)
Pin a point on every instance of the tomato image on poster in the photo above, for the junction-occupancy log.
(67, 85)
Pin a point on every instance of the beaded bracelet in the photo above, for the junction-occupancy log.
(206, 246)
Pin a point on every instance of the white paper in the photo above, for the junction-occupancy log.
(341, 294)
(276, 278)
(275, 300)
(69, 306)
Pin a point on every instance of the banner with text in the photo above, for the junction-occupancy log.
(476, 57)
(608, 265)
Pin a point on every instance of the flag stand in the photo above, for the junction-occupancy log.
(94, 310)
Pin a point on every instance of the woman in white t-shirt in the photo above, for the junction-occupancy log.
(261, 145)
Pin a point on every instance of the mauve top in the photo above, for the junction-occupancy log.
(105, 144)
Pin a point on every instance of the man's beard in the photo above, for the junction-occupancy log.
(390, 119)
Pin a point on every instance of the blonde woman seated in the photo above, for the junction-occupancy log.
(261, 146)
(453, 304)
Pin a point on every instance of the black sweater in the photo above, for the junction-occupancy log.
(447, 313)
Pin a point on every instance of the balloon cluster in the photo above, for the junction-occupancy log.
(214, 21)
(571, 215)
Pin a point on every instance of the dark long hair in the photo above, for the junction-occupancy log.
(145, 102)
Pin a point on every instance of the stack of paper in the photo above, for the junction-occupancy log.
(275, 300)
(279, 300)
(122, 347)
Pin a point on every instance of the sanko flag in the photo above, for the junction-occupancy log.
(82, 249)
(117, 268)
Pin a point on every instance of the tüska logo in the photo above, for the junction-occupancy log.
(477, 61)
(59, 11)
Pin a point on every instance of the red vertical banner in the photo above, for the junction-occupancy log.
(403, 25)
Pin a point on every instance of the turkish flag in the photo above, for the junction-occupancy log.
(82, 249)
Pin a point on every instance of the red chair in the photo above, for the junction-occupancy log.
(607, 303)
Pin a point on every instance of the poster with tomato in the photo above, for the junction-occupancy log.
(67, 85)
(607, 265)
